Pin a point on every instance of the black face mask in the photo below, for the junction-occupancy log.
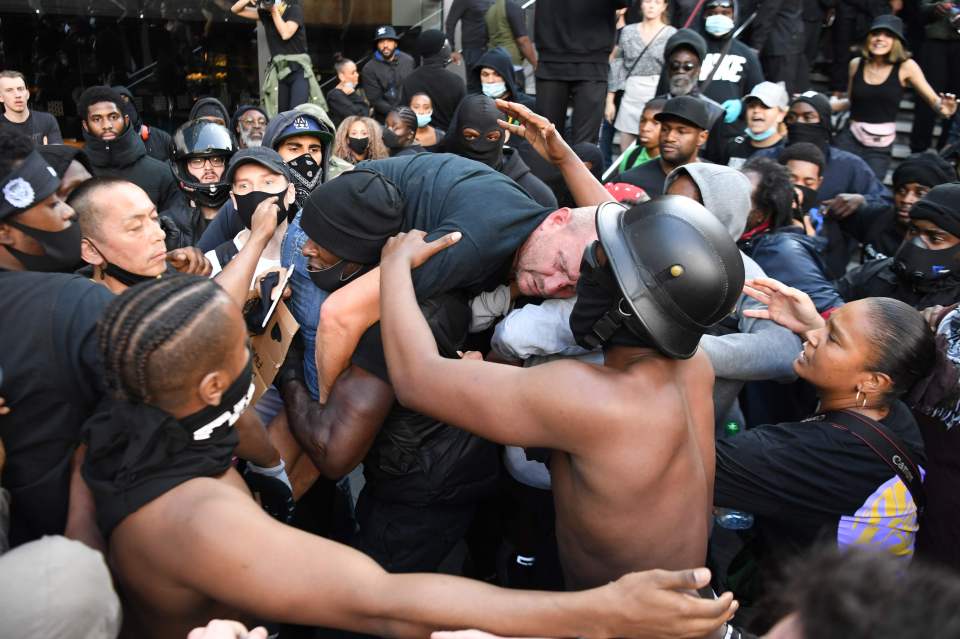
(248, 203)
(61, 249)
(914, 262)
(306, 176)
(811, 198)
(212, 424)
(391, 140)
(332, 277)
(601, 316)
(122, 275)
(816, 134)
(359, 145)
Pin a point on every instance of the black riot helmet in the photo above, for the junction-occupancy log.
(674, 272)
(202, 139)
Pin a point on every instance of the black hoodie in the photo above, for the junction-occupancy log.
(155, 140)
(445, 88)
(126, 158)
(499, 60)
(210, 103)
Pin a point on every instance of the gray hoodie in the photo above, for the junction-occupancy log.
(753, 349)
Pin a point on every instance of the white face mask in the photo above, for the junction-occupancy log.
(494, 89)
(718, 25)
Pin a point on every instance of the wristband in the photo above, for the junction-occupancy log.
(277, 472)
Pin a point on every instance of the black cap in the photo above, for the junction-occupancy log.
(261, 155)
(890, 23)
(354, 215)
(59, 156)
(686, 38)
(386, 32)
(686, 108)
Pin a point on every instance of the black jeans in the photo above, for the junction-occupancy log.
(939, 61)
(789, 69)
(878, 158)
(293, 90)
(587, 97)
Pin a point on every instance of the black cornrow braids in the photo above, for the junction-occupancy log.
(142, 320)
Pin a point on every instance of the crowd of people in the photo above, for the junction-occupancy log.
(625, 335)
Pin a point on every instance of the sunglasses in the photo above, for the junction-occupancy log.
(682, 66)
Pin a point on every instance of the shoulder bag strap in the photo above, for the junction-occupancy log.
(887, 446)
(639, 57)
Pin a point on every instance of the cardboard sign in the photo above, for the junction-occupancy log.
(270, 348)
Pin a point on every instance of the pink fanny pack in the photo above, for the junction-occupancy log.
(872, 134)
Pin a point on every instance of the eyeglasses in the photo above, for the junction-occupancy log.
(216, 162)
(684, 66)
(259, 122)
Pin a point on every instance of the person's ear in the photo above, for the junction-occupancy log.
(874, 384)
(90, 254)
(559, 218)
(702, 138)
(126, 121)
(212, 387)
(7, 235)
(819, 181)
(233, 200)
(86, 128)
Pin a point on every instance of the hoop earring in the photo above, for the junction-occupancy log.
(863, 403)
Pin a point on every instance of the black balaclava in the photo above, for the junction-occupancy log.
(138, 452)
(819, 134)
(480, 113)
(597, 293)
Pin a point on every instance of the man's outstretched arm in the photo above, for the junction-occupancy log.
(539, 406)
(222, 545)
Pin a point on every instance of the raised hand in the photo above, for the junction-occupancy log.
(789, 307)
(540, 132)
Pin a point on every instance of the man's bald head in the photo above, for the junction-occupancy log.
(100, 198)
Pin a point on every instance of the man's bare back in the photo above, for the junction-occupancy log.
(633, 485)
(639, 494)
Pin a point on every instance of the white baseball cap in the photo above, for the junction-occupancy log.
(772, 94)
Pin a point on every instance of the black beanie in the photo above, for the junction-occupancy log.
(353, 215)
(925, 168)
(430, 42)
(941, 205)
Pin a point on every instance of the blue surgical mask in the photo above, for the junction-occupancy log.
(718, 25)
(494, 89)
(423, 119)
(760, 137)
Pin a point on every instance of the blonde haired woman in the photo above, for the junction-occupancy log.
(877, 81)
(640, 55)
(358, 138)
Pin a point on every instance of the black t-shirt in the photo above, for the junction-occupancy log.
(444, 193)
(52, 383)
(649, 176)
(739, 150)
(807, 480)
(38, 125)
(576, 31)
(277, 45)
